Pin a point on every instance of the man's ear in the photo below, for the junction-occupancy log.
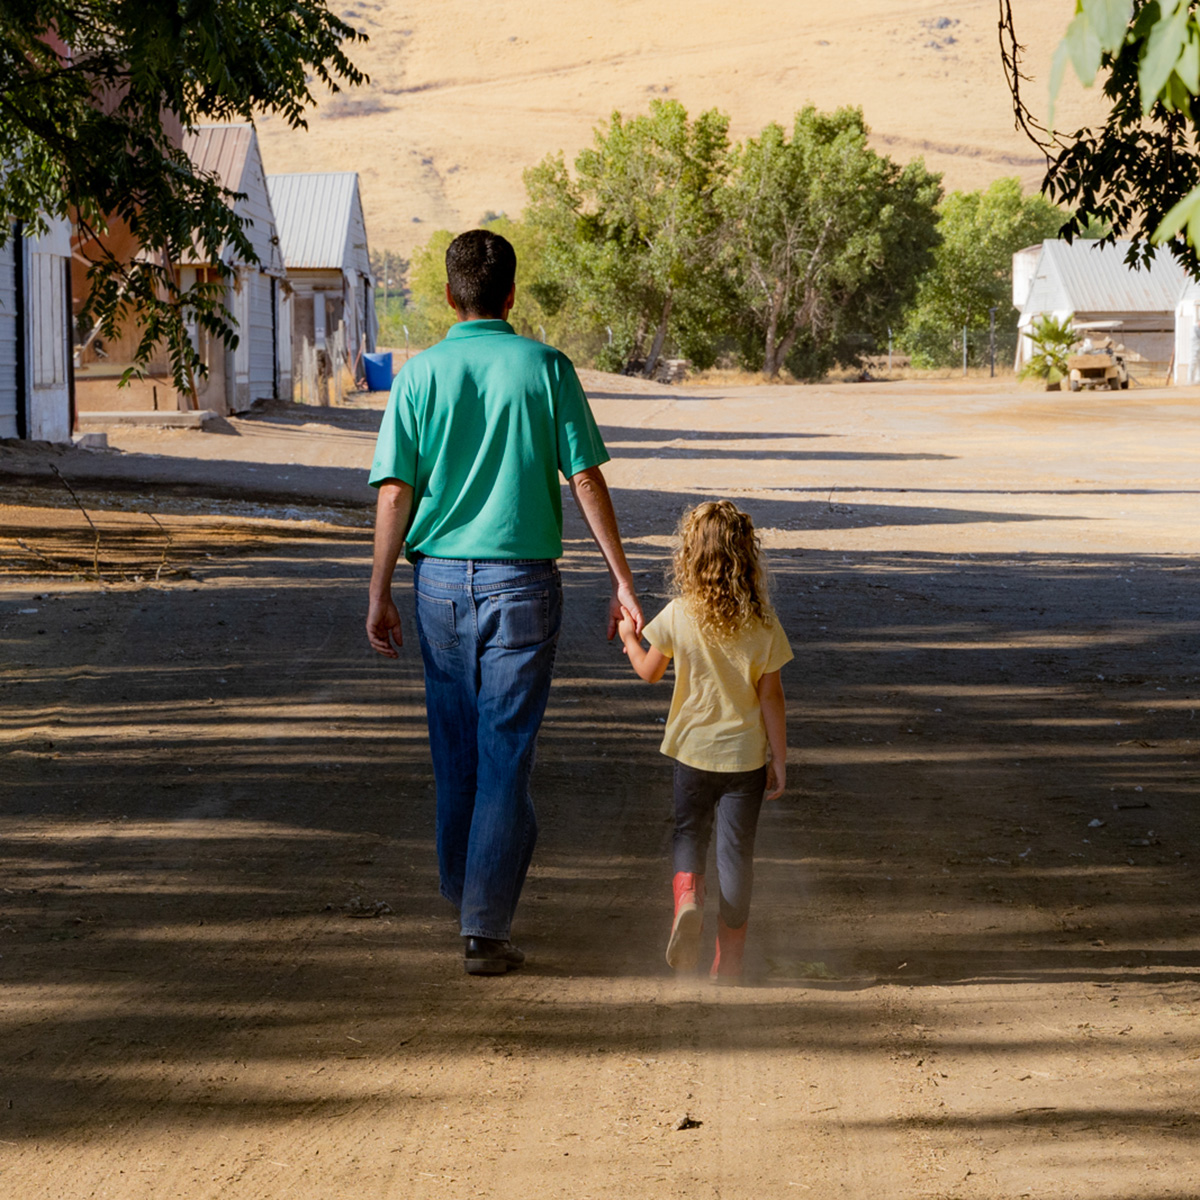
(508, 304)
(450, 299)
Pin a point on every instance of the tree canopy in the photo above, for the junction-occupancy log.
(798, 248)
(631, 239)
(972, 271)
(827, 240)
(94, 98)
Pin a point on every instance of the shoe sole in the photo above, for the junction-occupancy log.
(683, 950)
(486, 966)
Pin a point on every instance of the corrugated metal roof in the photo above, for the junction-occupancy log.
(320, 221)
(231, 153)
(221, 149)
(1085, 276)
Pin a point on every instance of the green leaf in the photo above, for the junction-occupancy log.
(1110, 20)
(1188, 66)
(1164, 48)
(1186, 212)
(1057, 68)
(1083, 44)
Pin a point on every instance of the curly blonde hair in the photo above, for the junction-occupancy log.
(718, 570)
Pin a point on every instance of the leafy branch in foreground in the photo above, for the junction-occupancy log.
(1138, 173)
(95, 96)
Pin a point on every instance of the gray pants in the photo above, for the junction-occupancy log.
(733, 798)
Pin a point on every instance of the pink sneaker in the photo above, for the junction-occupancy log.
(731, 945)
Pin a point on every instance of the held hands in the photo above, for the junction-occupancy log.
(383, 627)
(627, 629)
(776, 779)
(624, 603)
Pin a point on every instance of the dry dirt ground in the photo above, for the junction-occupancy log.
(975, 942)
(463, 97)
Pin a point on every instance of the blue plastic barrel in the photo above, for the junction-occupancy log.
(378, 369)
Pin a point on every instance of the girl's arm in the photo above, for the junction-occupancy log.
(650, 664)
(770, 700)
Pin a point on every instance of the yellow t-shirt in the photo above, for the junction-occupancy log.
(715, 722)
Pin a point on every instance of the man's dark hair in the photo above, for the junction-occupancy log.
(480, 268)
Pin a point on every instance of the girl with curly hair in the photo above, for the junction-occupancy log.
(726, 728)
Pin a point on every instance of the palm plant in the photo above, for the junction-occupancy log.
(1052, 340)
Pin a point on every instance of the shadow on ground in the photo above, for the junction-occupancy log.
(993, 782)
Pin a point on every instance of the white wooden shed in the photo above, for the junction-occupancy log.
(1187, 334)
(1107, 297)
(323, 234)
(36, 378)
(258, 299)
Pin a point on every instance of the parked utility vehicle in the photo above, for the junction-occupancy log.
(1097, 366)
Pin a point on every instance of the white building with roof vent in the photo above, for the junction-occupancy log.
(323, 235)
(1106, 296)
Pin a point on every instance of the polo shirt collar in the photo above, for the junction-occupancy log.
(477, 328)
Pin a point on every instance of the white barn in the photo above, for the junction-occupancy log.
(1106, 296)
(258, 299)
(1187, 334)
(323, 234)
(36, 377)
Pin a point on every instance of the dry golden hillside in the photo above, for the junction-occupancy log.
(464, 96)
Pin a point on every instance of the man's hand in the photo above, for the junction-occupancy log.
(391, 520)
(624, 601)
(383, 627)
(776, 780)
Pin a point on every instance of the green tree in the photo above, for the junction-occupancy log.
(826, 241)
(631, 240)
(972, 272)
(94, 97)
(1138, 172)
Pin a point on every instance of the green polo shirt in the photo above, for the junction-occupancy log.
(480, 426)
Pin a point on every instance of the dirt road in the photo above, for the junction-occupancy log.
(975, 942)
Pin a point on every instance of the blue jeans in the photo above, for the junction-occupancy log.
(488, 631)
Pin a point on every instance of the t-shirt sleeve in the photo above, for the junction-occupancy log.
(396, 445)
(779, 651)
(579, 442)
(659, 633)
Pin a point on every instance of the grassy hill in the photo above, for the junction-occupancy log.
(464, 96)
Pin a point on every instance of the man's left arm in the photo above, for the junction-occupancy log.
(591, 496)
(392, 510)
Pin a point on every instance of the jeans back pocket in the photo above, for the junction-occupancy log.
(435, 622)
(523, 618)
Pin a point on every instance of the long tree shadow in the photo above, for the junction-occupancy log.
(218, 816)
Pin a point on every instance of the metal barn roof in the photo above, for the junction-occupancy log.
(320, 221)
(1087, 277)
(231, 153)
(221, 149)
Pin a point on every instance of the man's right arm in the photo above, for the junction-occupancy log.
(392, 510)
(591, 496)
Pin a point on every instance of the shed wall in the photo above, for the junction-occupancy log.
(8, 341)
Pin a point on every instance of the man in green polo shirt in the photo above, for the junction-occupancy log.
(475, 435)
